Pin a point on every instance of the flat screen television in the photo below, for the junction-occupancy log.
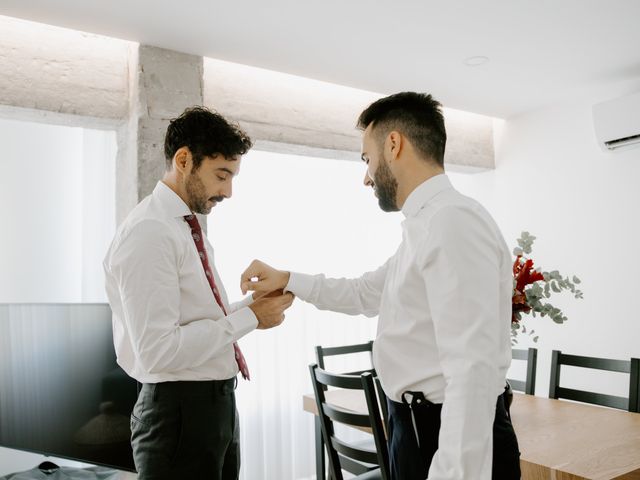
(62, 393)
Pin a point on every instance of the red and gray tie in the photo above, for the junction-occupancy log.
(196, 233)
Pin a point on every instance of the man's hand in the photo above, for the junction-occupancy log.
(269, 309)
(261, 278)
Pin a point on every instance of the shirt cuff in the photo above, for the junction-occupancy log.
(245, 302)
(300, 284)
(242, 321)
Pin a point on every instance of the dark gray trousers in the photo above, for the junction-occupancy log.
(410, 461)
(186, 430)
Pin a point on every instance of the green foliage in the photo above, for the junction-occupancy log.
(538, 292)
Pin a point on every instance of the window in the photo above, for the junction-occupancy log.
(310, 215)
(57, 192)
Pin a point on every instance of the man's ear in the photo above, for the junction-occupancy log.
(182, 160)
(394, 144)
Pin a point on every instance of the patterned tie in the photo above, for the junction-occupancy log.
(196, 233)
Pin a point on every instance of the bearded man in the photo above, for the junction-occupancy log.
(173, 328)
(443, 302)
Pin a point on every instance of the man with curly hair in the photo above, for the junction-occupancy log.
(174, 330)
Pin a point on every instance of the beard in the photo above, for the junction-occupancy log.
(386, 187)
(197, 195)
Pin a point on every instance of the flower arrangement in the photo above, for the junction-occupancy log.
(531, 287)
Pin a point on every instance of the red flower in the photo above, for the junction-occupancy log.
(518, 305)
(529, 296)
(524, 275)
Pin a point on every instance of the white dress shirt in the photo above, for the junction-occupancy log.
(167, 325)
(444, 307)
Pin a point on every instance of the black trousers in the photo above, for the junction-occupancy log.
(186, 430)
(409, 462)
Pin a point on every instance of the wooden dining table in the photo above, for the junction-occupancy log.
(558, 439)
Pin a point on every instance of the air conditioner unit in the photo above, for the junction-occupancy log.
(617, 123)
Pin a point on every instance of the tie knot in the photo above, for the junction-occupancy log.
(192, 220)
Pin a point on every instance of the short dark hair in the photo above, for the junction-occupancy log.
(416, 115)
(206, 133)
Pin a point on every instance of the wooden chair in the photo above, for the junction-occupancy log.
(366, 462)
(632, 367)
(529, 384)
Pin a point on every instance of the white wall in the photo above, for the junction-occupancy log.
(553, 180)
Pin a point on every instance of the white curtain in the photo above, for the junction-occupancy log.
(309, 215)
(57, 192)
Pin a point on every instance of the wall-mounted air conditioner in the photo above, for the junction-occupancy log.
(617, 123)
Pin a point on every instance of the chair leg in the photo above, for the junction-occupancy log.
(320, 464)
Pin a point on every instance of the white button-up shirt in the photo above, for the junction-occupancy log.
(444, 307)
(167, 325)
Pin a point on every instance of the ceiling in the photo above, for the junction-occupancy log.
(540, 51)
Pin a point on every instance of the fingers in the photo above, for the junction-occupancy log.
(253, 286)
(286, 300)
(274, 293)
(254, 270)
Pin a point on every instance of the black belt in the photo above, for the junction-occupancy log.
(194, 387)
(416, 400)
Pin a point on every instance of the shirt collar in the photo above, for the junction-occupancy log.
(170, 201)
(423, 193)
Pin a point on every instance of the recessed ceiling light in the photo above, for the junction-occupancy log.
(476, 61)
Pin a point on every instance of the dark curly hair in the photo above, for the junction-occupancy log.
(418, 116)
(206, 133)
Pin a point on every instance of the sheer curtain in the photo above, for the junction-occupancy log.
(57, 192)
(309, 215)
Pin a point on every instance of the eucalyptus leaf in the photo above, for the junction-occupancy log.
(554, 282)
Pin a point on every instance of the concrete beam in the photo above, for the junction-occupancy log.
(290, 114)
(63, 71)
(62, 76)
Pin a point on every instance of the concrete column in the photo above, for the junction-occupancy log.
(162, 83)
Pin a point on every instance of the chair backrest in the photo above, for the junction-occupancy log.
(322, 352)
(632, 367)
(340, 450)
(531, 357)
